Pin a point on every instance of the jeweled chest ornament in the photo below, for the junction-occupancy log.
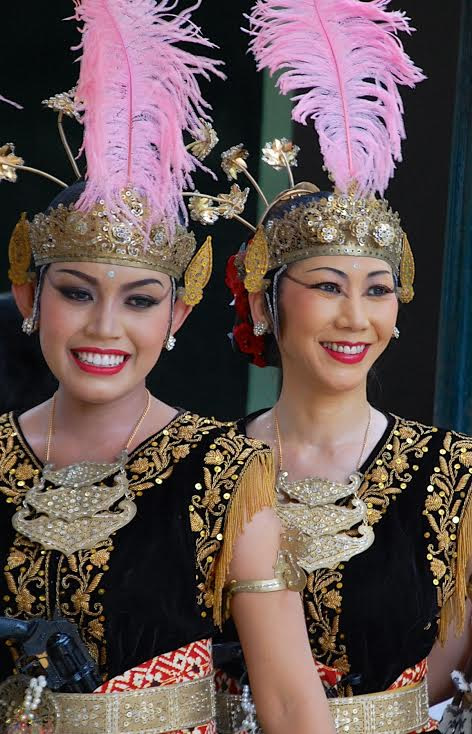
(72, 509)
(319, 532)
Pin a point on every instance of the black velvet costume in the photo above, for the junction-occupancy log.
(150, 588)
(379, 614)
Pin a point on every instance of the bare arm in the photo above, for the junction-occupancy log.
(454, 655)
(287, 690)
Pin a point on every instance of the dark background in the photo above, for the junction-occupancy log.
(202, 373)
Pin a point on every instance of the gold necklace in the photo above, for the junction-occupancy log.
(279, 439)
(134, 432)
(318, 531)
(78, 510)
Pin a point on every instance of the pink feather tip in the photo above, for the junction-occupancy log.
(346, 61)
(141, 94)
(9, 101)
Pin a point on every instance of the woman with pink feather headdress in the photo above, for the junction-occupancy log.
(122, 518)
(376, 508)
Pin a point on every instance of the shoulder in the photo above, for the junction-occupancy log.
(442, 442)
(226, 438)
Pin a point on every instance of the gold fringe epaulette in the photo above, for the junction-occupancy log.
(453, 611)
(255, 491)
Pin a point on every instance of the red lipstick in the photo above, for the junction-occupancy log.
(346, 357)
(82, 357)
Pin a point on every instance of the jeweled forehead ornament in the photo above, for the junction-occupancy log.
(345, 62)
(131, 209)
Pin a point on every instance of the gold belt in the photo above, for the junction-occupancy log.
(148, 711)
(156, 710)
(399, 711)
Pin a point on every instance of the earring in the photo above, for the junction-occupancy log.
(259, 328)
(396, 332)
(170, 342)
(28, 326)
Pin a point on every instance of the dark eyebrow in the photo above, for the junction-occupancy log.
(141, 283)
(332, 270)
(79, 274)
(127, 287)
(373, 274)
(376, 273)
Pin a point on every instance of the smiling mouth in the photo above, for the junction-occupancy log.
(345, 348)
(100, 361)
(345, 352)
(97, 359)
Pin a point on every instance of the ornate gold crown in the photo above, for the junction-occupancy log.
(66, 234)
(335, 224)
(118, 237)
(298, 225)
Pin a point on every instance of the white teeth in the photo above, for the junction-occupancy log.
(100, 360)
(344, 348)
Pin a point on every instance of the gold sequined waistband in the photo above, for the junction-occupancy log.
(399, 711)
(154, 710)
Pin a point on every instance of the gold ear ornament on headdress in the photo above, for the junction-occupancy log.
(19, 253)
(407, 273)
(197, 275)
(256, 262)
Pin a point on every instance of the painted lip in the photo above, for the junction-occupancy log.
(347, 358)
(93, 369)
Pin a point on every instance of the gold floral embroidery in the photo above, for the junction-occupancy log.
(448, 487)
(323, 608)
(387, 477)
(223, 465)
(394, 468)
(78, 581)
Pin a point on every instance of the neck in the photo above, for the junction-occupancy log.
(307, 412)
(98, 424)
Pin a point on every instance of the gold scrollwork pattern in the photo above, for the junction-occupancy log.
(448, 488)
(224, 464)
(388, 475)
(77, 582)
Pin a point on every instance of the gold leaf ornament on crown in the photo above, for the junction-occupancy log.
(118, 237)
(336, 223)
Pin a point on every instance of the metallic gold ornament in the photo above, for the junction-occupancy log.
(113, 237)
(256, 262)
(198, 274)
(19, 253)
(75, 513)
(407, 273)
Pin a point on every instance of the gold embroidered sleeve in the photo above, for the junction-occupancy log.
(238, 481)
(449, 516)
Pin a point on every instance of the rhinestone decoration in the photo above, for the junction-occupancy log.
(280, 153)
(338, 224)
(205, 141)
(316, 528)
(64, 102)
(7, 157)
(77, 512)
(68, 235)
(233, 161)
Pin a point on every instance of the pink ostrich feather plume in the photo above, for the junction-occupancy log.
(345, 61)
(140, 94)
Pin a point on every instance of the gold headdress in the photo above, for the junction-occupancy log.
(137, 96)
(347, 59)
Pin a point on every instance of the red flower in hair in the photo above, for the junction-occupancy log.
(232, 279)
(249, 343)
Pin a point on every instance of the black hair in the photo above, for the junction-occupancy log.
(67, 196)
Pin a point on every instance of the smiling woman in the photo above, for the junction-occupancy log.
(376, 508)
(125, 519)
